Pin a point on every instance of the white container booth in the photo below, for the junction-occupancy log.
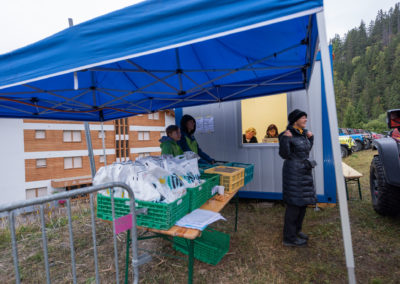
(223, 139)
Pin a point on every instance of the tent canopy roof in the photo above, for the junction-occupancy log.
(162, 54)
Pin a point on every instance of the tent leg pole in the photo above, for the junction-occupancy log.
(333, 127)
(103, 144)
(90, 149)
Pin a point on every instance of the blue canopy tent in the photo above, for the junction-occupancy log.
(170, 54)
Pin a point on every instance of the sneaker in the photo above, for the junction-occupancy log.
(297, 243)
(303, 236)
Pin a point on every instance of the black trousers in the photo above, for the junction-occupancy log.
(294, 217)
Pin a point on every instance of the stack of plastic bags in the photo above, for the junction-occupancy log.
(153, 178)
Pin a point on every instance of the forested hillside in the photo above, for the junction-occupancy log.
(367, 71)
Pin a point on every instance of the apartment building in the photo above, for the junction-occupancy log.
(40, 157)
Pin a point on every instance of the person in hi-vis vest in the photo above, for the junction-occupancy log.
(169, 144)
(188, 141)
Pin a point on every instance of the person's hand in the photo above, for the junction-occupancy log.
(309, 134)
(288, 133)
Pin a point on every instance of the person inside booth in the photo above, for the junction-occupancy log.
(169, 144)
(188, 141)
(271, 135)
(249, 135)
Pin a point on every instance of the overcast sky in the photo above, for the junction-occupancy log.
(25, 21)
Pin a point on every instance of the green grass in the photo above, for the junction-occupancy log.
(256, 253)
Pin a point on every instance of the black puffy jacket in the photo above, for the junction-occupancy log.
(297, 180)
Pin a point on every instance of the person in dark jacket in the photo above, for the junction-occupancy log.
(169, 145)
(188, 141)
(249, 135)
(295, 144)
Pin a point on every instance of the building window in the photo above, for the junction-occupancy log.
(40, 134)
(101, 135)
(163, 133)
(35, 192)
(127, 150)
(72, 163)
(41, 163)
(154, 116)
(72, 136)
(143, 135)
(141, 155)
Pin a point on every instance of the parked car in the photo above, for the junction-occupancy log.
(385, 169)
(347, 145)
(377, 135)
(358, 138)
(367, 137)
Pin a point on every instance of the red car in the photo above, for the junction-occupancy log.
(377, 135)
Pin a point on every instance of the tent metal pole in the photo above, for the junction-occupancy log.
(87, 128)
(102, 69)
(333, 127)
(90, 149)
(76, 85)
(103, 142)
(93, 171)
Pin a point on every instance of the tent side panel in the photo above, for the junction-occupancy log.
(329, 166)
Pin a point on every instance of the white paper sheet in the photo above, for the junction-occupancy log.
(199, 219)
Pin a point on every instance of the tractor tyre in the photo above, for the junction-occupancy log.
(385, 197)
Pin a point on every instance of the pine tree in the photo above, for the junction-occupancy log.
(367, 69)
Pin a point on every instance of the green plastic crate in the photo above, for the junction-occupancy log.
(209, 248)
(203, 167)
(159, 215)
(248, 170)
(200, 194)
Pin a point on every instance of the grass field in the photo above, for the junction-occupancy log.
(256, 253)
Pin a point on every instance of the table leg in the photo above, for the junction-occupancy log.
(359, 188)
(236, 209)
(191, 261)
(347, 191)
(128, 242)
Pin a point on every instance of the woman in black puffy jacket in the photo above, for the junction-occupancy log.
(295, 144)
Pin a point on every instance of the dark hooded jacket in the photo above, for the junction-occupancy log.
(188, 141)
(297, 180)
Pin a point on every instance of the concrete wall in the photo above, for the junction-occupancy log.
(12, 166)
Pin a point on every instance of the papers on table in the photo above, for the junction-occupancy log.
(199, 219)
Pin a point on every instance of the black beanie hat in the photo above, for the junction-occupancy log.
(295, 115)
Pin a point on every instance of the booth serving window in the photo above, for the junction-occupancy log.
(263, 119)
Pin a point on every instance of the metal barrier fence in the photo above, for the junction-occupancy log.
(136, 261)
